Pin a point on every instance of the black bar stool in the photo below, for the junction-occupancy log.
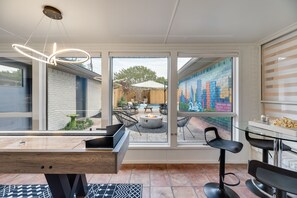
(266, 146)
(220, 190)
(283, 180)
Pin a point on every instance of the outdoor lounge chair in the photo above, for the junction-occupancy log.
(125, 119)
(182, 123)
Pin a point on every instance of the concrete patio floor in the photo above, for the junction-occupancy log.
(195, 124)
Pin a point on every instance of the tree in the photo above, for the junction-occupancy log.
(135, 74)
(161, 80)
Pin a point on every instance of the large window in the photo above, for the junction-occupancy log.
(74, 96)
(205, 97)
(15, 94)
(140, 97)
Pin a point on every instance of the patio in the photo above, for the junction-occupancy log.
(159, 135)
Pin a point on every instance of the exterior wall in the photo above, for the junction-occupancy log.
(61, 98)
(117, 93)
(93, 97)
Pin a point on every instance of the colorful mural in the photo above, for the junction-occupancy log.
(209, 90)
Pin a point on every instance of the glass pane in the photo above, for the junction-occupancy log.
(191, 129)
(94, 64)
(15, 124)
(73, 100)
(205, 84)
(15, 85)
(140, 97)
(10, 76)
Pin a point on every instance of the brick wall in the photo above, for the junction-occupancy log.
(93, 97)
(61, 98)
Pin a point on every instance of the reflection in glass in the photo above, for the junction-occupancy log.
(10, 76)
(15, 124)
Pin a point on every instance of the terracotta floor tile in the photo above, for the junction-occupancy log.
(141, 168)
(199, 192)
(213, 177)
(210, 168)
(140, 179)
(159, 180)
(100, 178)
(182, 192)
(198, 179)
(146, 192)
(162, 179)
(124, 178)
(193, 168)
(7, 178)
(24, 179)
(179, 180)
(175, 168)
(161, 192)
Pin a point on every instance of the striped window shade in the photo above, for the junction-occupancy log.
(279, 77)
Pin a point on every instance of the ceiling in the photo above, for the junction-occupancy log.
(147, 21)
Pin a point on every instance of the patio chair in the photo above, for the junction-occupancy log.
(182, 123)
(130, 109)
(163, 109)
(125, 119)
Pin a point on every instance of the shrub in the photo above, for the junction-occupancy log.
(80, 125)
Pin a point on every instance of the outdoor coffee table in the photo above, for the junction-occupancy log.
(151, 121)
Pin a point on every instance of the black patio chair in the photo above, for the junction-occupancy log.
(125, 119)
(182, 123)
(163, 109)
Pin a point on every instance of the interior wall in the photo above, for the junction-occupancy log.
(247, 96)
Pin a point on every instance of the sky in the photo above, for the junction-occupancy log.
(159, 65)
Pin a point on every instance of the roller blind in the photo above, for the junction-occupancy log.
(279, 76)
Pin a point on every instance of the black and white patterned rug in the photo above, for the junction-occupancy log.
(94, 191)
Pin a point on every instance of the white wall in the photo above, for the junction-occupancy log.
(61, 98)
(93, 97)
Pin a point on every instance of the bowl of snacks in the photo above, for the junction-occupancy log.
(285, 122)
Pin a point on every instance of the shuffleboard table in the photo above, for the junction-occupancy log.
(61, 156)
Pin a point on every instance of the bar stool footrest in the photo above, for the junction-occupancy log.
(234, 184)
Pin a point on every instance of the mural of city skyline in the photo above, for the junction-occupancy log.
(209, 90)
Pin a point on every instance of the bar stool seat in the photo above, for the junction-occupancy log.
(265, 145)
(220, 190)
(228, 145)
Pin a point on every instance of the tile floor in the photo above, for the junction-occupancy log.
(159, 180)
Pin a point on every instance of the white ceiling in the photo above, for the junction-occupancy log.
(148, 21)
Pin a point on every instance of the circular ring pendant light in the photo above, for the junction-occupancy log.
(52, 59)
